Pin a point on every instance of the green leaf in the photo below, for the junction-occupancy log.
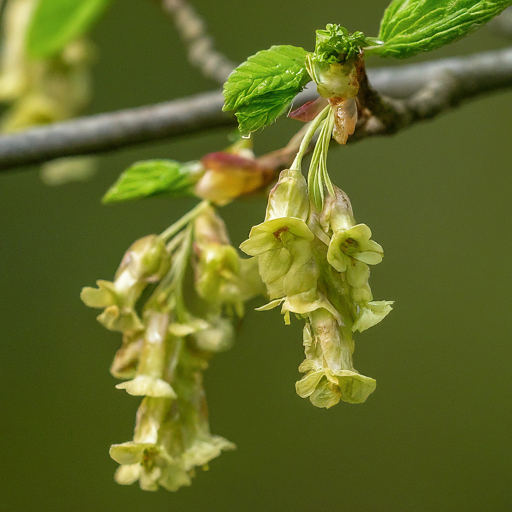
(413, 26)
(264, 110)
(55, 23)
(335, 44)
(152, 177)
(263, 87)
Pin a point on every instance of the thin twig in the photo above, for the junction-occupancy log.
(470, 77)
(200, 45)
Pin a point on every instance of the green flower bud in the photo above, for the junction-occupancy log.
(289, 197)
(362, 295)
(218, 277)
(337, 214)
(145, 261)
(219, 336)
(209, 228)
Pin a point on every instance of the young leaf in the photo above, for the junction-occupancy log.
(335, 44)
(263, 87)
(55, 23)
(413, 26)
(152, 177)
(264, 110)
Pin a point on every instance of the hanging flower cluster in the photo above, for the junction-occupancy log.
(315, 264)
(309, 257)
(166, 347)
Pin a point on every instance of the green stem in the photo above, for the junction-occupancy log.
(182, 260)
(318, 177)
(308, 136)
(168, 295)
(181, 223)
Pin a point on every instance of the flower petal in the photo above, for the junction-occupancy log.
(101, 297)
(293, 225)
(127, 474)
(192, 326)
(326, 394)
(336, 257)
(144, 385)
(129, 453)
(307, 365)
(203, 451)
(370, 315)
(173, 477)
(371, 258)
(354, 387)
(307, 385)
(360, 232)
(357, 273)
(271, 305)
(259, 243)
(307, 302)
(120, 320)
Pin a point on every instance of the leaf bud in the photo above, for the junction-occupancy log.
(229, 176)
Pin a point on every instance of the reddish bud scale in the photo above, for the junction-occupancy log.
(229, 176)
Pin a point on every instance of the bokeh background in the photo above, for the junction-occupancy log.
(435, 436)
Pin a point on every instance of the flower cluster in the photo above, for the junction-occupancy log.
(315, 264)
(168, 342)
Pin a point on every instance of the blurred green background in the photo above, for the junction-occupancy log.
(435, 436)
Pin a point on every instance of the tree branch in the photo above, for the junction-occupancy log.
(200, 45)
(419, 92)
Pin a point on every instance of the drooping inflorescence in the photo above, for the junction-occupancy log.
(168, 341)
(315, 265)
(308, 256)
(176, 296)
